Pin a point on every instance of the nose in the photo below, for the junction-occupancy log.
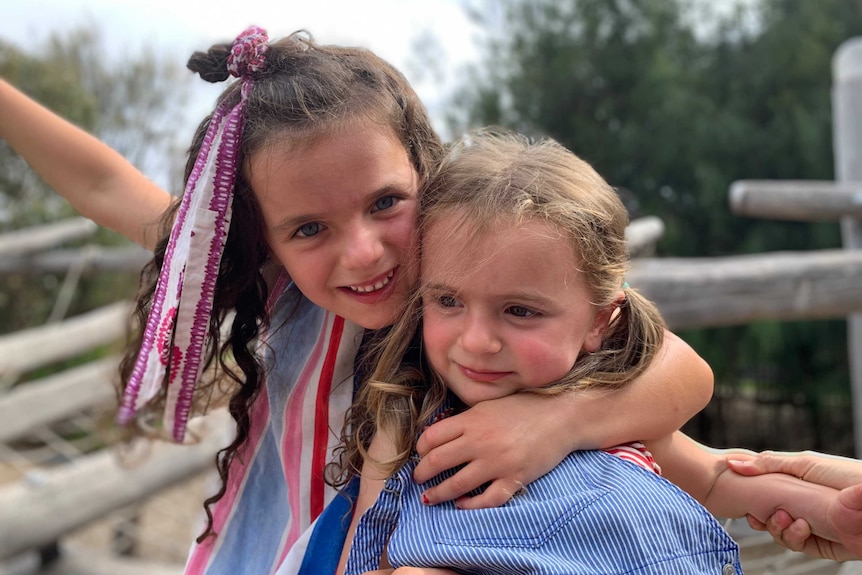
(362, 248)
(478, 335)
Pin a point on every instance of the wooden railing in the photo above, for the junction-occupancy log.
(39, 510)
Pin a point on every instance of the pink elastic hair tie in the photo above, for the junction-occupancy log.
(176, 335)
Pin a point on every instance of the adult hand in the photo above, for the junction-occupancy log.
(845, 514)
(506, 442)
(830, 470)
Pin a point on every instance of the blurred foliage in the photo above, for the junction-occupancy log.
(133, 103)
(672, 100)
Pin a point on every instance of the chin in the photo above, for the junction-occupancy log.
(372, 320)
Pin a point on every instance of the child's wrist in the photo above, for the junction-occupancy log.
(577, 411)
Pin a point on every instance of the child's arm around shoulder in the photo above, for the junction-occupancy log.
(513, 440)
(99, 183)
(706, 476)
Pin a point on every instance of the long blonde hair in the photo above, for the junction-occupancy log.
(487, 179)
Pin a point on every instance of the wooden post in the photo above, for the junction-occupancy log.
(847, 134)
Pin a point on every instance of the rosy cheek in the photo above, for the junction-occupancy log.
(547, 360)
(534, 353)
(434, 337)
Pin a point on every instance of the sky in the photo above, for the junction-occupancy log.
(391, 28)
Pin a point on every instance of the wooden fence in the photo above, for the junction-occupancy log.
(55, 497)
(52, 500)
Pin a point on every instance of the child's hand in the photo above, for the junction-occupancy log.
(796, 534)
(844, 513)
(508, 442)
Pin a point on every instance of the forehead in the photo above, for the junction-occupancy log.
(290, 177)
(337, 150)
(455, 250)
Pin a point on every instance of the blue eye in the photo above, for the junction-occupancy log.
(447, 301)
(521, 311)
(384, 203)
(308, 230)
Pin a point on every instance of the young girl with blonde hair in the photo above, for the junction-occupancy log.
(522, 290)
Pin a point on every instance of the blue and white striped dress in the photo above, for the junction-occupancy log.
(595, 513)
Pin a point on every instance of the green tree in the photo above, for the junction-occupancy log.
(132, 103)
(672, 100)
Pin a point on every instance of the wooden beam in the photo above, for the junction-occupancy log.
(642, 235)
(847, 139)
(712, 292)
(98, 258)
(57, 397)
(27, 349)
(38, 238)
(49, 503)
(798, 200)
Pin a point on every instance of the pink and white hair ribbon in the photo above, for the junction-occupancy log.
(176, 335)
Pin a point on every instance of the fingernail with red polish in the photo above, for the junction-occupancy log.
(425, 499)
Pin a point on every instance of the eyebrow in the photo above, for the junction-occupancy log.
(290, 222)
(526, 297)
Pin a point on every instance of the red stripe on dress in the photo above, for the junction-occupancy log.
(294, 439)
(321, 420)
(637, 453)
(201, 554)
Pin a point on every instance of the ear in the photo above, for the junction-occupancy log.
(603, 317)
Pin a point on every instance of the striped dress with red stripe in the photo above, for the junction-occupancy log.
(276, 487)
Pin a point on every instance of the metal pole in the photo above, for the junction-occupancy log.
(847, 134)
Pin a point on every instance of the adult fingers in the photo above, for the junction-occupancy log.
(771, 462)
(847, 518)
(851, 498)
(828, 470)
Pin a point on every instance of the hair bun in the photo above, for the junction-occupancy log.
(245, 57)
(212, 64)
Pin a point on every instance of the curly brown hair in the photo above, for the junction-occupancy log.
(306, 90)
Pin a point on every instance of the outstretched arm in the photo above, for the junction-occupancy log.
(514, 440)
(704, 473)
(98, 182)
(794, 532)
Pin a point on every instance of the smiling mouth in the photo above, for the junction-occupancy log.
(483, 375)
(374, 287)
